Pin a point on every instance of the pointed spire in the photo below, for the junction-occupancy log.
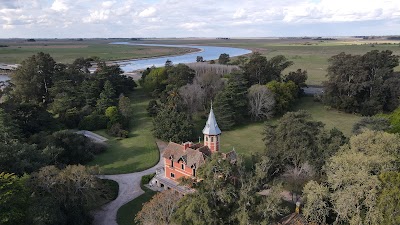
(211, 127)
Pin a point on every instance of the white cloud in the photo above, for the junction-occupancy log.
(59, 5)
(126, 18)
(148, 12)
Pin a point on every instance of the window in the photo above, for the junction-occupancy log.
(194, 172)
(172, 163)
(172, 175)
(212, 139)
(206, 138)
(183, 166)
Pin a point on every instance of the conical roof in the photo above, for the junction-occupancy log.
(211, 127)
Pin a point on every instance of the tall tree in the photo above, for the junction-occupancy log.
(231, 103)
(106, 97)
(9, 129)
(261, 102)
(285, 95)
(124, 106)
(389, 198)
(159, 210)
(34, 78)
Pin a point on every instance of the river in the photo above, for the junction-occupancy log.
(207, 52)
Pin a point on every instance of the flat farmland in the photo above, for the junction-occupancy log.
(66, 51)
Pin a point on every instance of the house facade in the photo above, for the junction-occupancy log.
(183, 160)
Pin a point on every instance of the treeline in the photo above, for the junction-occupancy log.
(43, 102)
(338, 180)
(255, 90)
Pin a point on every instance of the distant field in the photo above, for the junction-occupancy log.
(247, 139)
(67, 51)
(308, 54)
(133, 154)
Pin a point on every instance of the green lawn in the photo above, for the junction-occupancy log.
(67, 51)
(126, 214)
(136, 153)
(247, 139)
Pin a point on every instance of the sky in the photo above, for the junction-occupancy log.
(197, 18)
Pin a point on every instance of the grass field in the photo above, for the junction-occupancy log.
(126, 214)
(136, 153)
(68, 51)
(247, 139)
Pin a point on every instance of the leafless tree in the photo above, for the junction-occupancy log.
(261, 102)
(204, 67)
(193, 96)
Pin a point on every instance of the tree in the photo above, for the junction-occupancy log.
(106, 97)
(223, 59)
(261, 102)
(124, 106)
(356, 83)
(9, 130)
(180, 75)
(14, 199)
(259, 70)
(34, 78)
(193, 97)
(372, 123)
(152, 108)
(299, 78)
(353, 178)
(20, 158)
(389, 198)
(285, 95)
(296, 140)
(394, 119)
(66, 195)
(316, 207)
(170, 124)
(159, 209)
(231, 103)
(76, 148)
(156, 81)
(211, 83)
(199, 59)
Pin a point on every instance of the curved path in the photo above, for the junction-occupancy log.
(129, 189)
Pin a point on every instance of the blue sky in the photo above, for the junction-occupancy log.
(197, 18)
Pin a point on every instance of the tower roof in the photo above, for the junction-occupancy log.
(211, 127)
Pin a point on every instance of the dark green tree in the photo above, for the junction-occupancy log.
(9, 129)
(231, 103)
(107, 97)
(171, 124)
(285, 95)
(371, 123)
(14, 199)
(223, 59)
(180, 75)
(34, 78)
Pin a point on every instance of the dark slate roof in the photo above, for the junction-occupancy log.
(190, 156)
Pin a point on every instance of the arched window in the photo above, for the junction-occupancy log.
(212, 139)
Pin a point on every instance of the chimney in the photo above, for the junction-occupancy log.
(297, 207)
(187, 145)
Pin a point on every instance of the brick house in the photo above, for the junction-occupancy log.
(183, 160)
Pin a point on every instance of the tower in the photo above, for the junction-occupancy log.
(212, 133)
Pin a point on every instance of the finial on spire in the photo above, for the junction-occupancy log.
(211, 105)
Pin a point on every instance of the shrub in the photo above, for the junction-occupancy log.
(93, 122)
(147, 178)
(117, 131)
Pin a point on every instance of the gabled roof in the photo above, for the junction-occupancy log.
(189, 156)
(293, 219)
(211, 127)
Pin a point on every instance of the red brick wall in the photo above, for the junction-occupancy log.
(177, 170)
